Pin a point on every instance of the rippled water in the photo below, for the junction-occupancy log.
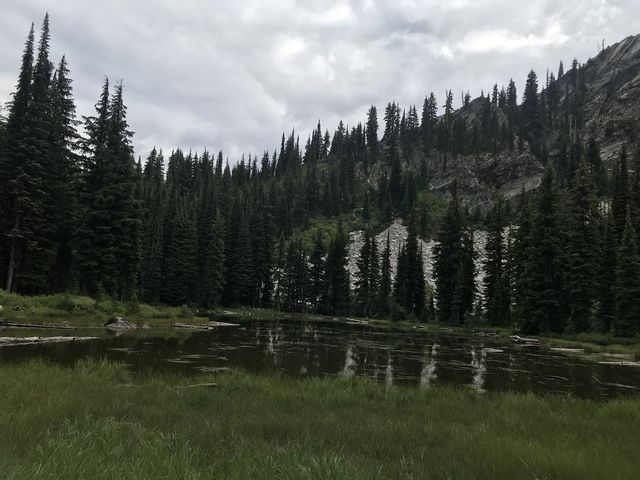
(330, 349)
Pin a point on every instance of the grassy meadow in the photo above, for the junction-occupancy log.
(97, 421)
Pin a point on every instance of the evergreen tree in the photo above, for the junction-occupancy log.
(607, 276)
(496, 286)
(337, 293)
(447, 265)
(366, 283)
(580, 252)
(12, 156)
(620, 194)
(531, 110)
(382, 303)
(31, 247)
(64, 177)
(627, 286)
(316, 273)
(543, 302)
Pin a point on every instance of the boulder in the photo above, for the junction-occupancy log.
(119, 324)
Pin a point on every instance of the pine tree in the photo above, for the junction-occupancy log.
(179, 269)
(367, 277)
(153, 208)
(627, 286)
(580, 254)
(316, 273)
(496, 286)
(447, 265)
(64, 178)
(620, 194)
(372, 134)
(543, 302)
(382, 302)
(11, 157)
(531, 110)
(32, 251)
(337, 293)
(295, 277)
(607, 276)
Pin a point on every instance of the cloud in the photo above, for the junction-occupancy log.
(233, 75)
(506, 41)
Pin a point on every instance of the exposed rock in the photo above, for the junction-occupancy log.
(119, 324)
(397, 236)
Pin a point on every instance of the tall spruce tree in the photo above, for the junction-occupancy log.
(367, 277)
(607, 275)
(581, 250)
(627, 286)
(337, 294)
(497, 298)
(11, 158)
(384, 290)
(448, 265)
(542, 304)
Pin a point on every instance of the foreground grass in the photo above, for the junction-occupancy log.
(96, 421)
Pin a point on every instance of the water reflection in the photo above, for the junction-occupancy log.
(479, 367)
(318, 349)
(350, 364)
(428, 374)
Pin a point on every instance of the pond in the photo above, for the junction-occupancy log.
(302, 349)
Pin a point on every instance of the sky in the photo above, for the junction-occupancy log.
(233, 75)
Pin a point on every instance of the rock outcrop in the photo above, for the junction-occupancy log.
(397, 233)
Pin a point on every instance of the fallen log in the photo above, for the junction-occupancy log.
(524, 340)
(6, 324)
(188, 326)
(9, 341)
(213, 323)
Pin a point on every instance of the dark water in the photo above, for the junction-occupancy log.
(328, 349)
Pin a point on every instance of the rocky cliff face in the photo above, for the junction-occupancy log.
(610, 109)
(612, 101)
(397, 233)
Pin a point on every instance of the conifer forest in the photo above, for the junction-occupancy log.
(409, 280)
(82, 213)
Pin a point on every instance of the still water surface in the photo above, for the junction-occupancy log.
(329, 349)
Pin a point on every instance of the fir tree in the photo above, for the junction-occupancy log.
(384, 290)
(607, 275)
(543, 302)
(582, 237)
(337, 293)
(366, 283)
(627, 286)
(496, 285)
(620, 193)
(447, 265)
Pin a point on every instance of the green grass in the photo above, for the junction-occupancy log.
(78, 310)
(97, 421)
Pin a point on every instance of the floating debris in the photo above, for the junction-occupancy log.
(524, 340)
(567, 350)
(9, 341)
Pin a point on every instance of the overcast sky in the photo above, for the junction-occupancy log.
(233, 75)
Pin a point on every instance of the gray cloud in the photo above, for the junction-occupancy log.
(234, 75)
